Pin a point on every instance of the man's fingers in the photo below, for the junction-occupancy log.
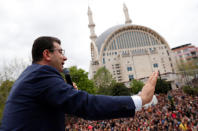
(150, 78)
(154, 79)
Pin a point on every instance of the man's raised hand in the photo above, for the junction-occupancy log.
(148, 89)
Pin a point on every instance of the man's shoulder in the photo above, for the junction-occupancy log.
(42, 69)
(36, 72)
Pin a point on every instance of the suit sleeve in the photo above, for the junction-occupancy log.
(57, 94)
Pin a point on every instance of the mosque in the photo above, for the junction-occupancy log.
(130, 51)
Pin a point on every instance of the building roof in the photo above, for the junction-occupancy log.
(100, 40)
(181, 46)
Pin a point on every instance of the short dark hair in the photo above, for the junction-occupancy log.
(40, 44)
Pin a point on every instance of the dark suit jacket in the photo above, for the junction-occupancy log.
(40, 98)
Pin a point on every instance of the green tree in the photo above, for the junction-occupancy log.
(191, 90)
(103, 78)
(4, 92)
(136, 86)
(162, 86)
(188, 65)
(104, 91)
(80, 77)
(119, 89)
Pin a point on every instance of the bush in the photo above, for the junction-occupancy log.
(136, 86)
(190, 90)
(162, 86)
(5, 88)
(119, 89)
(104, 91)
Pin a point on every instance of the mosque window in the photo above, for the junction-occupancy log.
(131, 77)
(129, 68)
(155, 65)
(114, 44)
(112, 47)
(133, 35)
(167, 52)
(125, 40)
(128, 35)
(120, 39)
(145, 39)
(135, 39)
(131, 42)
(139, 39)
(103, 61)
(103, 54)
(118, 71)
(118, 42)
(141, 36)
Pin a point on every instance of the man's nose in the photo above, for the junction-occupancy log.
(64, 58)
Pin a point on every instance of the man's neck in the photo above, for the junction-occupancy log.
(42, 62)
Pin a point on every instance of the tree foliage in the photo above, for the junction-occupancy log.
(103, 78)
(80, 77)
(119, 89)
(136, 86)
(162, 86)
(116, 89)
(188, 65)
(191, 90)
(4, 92)
(104, 91)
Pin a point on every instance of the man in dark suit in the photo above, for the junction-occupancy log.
(39, 98)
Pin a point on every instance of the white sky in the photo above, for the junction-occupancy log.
(22, 21)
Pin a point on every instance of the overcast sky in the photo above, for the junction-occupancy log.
(22, 21)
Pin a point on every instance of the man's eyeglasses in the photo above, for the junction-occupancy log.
(61, 51)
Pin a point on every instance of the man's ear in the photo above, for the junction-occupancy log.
(46, 55)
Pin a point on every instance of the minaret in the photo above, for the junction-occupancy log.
(126, 13)
(91, 25)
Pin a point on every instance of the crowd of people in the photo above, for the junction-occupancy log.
(175, 111)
